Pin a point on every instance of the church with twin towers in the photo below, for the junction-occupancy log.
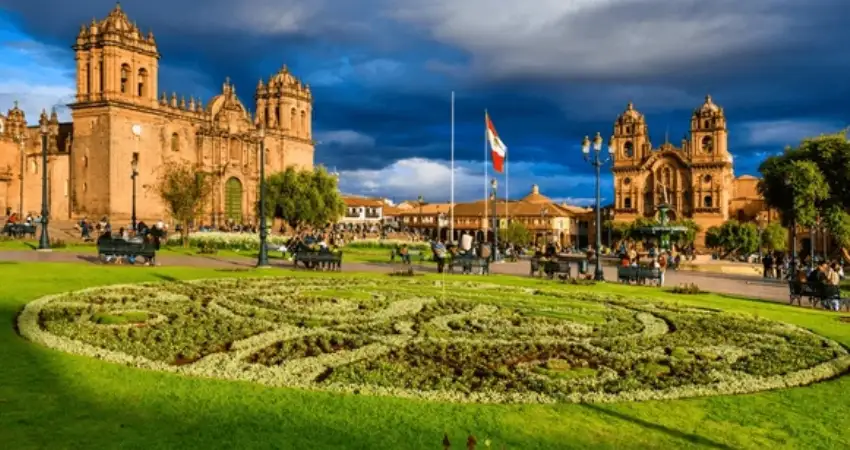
(119, 116)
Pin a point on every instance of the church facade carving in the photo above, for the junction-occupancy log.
(696, 179)
(118, 116)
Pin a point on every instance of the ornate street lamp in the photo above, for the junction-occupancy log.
(793, 228)
(421, 219)
(44, 241)
(20, 138)
(134, 166)
(543, 213)
(263, 257)
(493, 189)
(597, 160)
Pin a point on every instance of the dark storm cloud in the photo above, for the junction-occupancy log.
(548, 72)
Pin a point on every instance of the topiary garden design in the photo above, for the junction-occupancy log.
(445, 341)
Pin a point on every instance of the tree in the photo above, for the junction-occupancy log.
(809, 181)
(690, 235)
(733, 238)
(775, 237)
(516, 233)
(184, 190)
(304, 198)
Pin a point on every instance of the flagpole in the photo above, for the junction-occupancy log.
(486, 161)
(452, 211)
(507, 191)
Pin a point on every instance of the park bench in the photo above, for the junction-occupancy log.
(117, 250)
(321, 260)
(411, 255)
(817, 294)
(551, 267)
(627, 274)
(19, 230)
(468, 262)
(638, 275)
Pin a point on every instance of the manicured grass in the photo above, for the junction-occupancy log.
(53, 400)
(360, 255)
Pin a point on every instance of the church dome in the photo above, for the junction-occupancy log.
(630, 114)
(708, 108)
(283, 78)
(535, 197)
(16, 114)
(117, 21)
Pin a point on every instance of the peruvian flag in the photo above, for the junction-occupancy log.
(498, 149)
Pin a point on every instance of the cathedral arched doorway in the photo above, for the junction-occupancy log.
(233, 200)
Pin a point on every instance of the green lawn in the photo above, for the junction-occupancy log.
(366, 255)
(54, 400)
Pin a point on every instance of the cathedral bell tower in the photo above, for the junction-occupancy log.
(116, 62)
(709, 136)
(631, 140)
(285, 105)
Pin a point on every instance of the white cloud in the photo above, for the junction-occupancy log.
(786, 132)
(408, 178)
(594, 37)
(30, 74)
(344, 138)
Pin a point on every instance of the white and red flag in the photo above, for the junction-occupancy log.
(498, 149)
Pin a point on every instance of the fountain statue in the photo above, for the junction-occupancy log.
(663, 231)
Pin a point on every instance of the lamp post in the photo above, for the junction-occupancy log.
(20, 138)
(597, 160)
(134, 166)
(44, 240)
(793, 227)
(493, 189)
(543, 213)
(421, 222)
(263, 257)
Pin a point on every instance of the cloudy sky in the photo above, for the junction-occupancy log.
(549, 72)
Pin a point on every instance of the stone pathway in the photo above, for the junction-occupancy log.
(736, 285)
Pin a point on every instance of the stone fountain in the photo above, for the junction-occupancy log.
(664, 232)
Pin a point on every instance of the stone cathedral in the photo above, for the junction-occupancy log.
(696, 178)
(118, 116)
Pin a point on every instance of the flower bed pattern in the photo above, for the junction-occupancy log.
(454, 341)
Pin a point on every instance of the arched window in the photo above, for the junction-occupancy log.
(143, 79)
(707, 144)
(101, 77)
(707, 124)
(268, 115)
(292, 122)
(707, 201)
(277, 122)
(125, 77)
(88, 78)
(627, 203)
(175, 142)
(304, 123)
(629, 149)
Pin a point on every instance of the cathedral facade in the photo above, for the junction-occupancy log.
(118, 117)
(696, 179)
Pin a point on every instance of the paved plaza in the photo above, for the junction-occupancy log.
(737, 285)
